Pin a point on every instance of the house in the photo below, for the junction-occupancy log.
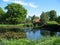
(36, 21)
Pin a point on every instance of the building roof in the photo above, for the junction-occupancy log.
(36, 20)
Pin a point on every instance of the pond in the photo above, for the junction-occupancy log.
(28, 33)
(39, 33)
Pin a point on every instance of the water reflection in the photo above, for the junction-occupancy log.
(52, 33)
(44, 32)
(33, 34)
(28, 33)
(58, 33)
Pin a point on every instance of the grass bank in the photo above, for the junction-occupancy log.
(14, 26)
(11, 26)
(44, 41)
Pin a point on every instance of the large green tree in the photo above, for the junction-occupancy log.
(58, 19)
(2, 14)
(16, 13)
(44, 17)
(53, 15)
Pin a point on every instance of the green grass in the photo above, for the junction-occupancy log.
(11, 26)
(14, 26)
(44, 41)
(51, 22)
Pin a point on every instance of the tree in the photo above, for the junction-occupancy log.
(16, 13)
(2, 14)
(32, 18)
(58, 19)
(53, 15)
(28, 19)
(44, 17)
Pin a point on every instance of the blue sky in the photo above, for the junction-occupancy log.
(35, 6)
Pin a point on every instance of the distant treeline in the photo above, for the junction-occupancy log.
(49, 17)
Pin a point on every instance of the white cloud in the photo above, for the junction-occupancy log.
(5, 0)
(22, 3)
(32, 5)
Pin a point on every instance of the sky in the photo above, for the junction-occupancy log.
(35, 7)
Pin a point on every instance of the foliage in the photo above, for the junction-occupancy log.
(49, 17)
(44, 17)
(2, 14)
(58, 19)
(28, 20)
(44, 41)
(53, 15)
(16, 13)
(57, 41)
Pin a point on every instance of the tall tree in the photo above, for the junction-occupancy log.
(2, 14)
(58, 19)
(28, 19)
(16, 13)
(44, 17)
(53, 15)
(32, 17)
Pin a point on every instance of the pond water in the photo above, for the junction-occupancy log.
(39, 33)
(31, 33)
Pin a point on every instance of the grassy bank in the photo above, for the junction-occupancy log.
(44, 41)
(14, 26)
(11, 26)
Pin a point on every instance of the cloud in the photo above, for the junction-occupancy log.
(22, 3)
(32, 5)
(5, 0)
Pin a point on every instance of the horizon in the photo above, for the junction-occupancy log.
(34, 7)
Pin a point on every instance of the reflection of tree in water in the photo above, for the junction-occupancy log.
(52, 33)
(47, 33)
(13, 33)
(34, 30)
(44, 32)
(17, 30)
